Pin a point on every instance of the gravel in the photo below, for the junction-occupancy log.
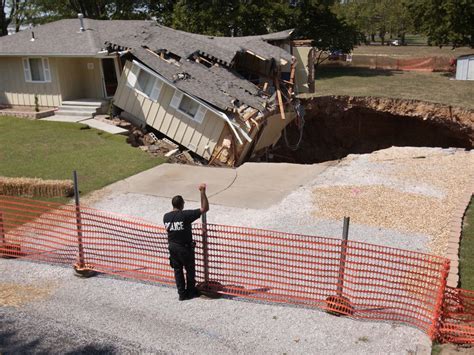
(126, 313)
(412, 190)
(109, 315)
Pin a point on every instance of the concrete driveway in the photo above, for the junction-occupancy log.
(252, 185)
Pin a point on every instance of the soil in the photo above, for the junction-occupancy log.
(151, 141)
(336, 126)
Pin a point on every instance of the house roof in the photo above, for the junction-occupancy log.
(464, 56)
(216, 85)
(222, 86)
(63, 38)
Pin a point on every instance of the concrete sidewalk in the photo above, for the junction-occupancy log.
(252, 185)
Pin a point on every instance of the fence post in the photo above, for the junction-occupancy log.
(342, 262)
(81, 263)
(3, 240)
(2, 230)
(439, 305)
(340, 305)
(205, 251)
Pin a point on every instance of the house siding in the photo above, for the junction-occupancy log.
(77, 81)
(301, 70)
(14, 90)
(161, 116)
(70, 79)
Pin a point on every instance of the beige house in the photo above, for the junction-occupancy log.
(59, 61)
(223, 99)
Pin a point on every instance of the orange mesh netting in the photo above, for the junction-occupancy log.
(360, 280)
(457, 323)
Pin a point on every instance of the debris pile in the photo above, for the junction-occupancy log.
(150, 143)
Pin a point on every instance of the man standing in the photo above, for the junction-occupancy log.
(181, 245)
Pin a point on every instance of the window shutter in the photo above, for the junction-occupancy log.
(155, 92)
(46, 71)
(200, 114)
(176, 100)
(132, 76)
(26, 69)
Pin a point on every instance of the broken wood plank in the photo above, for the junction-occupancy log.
(280, 100)
(249, 114)
(216, 156)
(292, 75)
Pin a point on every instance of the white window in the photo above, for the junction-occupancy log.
(36, 70)
(188, 106)
(144, 82)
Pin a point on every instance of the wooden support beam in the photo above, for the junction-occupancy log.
(292, 75)
(280, 100)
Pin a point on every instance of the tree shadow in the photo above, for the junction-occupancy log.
(325, 72)
(9, 343)
(12, 341)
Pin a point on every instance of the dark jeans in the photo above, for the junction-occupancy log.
(181, 256)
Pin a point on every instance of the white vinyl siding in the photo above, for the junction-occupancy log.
(188, 106)
(36, 70)
(191, 133)
(145, 83)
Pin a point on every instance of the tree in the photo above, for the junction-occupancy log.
(445, 22)
(222, 18)
(53, 10)
(380, 17)
(6, 14)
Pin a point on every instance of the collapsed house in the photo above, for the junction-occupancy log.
(222, 98)
(225, 99)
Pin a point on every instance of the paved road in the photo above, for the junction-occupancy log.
(252, 185)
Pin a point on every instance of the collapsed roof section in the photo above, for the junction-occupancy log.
(193, 61)
(223, 87)
(184, 44)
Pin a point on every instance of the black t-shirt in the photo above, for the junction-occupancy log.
(178, 225)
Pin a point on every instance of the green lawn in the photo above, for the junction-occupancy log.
(466, 255)
(52, 150)
(414, 51)
(432, 87)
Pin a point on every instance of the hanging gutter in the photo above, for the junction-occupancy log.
(233, 126)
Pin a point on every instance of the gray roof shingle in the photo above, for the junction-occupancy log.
(216, 85)
(222, 87)
(63, 38)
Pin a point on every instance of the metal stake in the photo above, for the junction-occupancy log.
(205, 251)
(342, 264)
(81, 262)
(2, 229)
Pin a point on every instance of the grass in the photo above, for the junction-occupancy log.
(52, 150)
(413, 51)
(431, 87)
(436, 349)
(466, 257)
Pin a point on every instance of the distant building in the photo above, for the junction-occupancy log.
(465, 67)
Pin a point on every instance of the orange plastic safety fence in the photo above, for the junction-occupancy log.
(376, 282)
(360, 280)
(457, 321)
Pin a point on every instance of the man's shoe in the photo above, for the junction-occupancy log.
(183, 298)
(194, 294)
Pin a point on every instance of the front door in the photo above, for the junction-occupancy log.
(110, 76)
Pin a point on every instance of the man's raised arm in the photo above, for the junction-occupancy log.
(204, 201)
